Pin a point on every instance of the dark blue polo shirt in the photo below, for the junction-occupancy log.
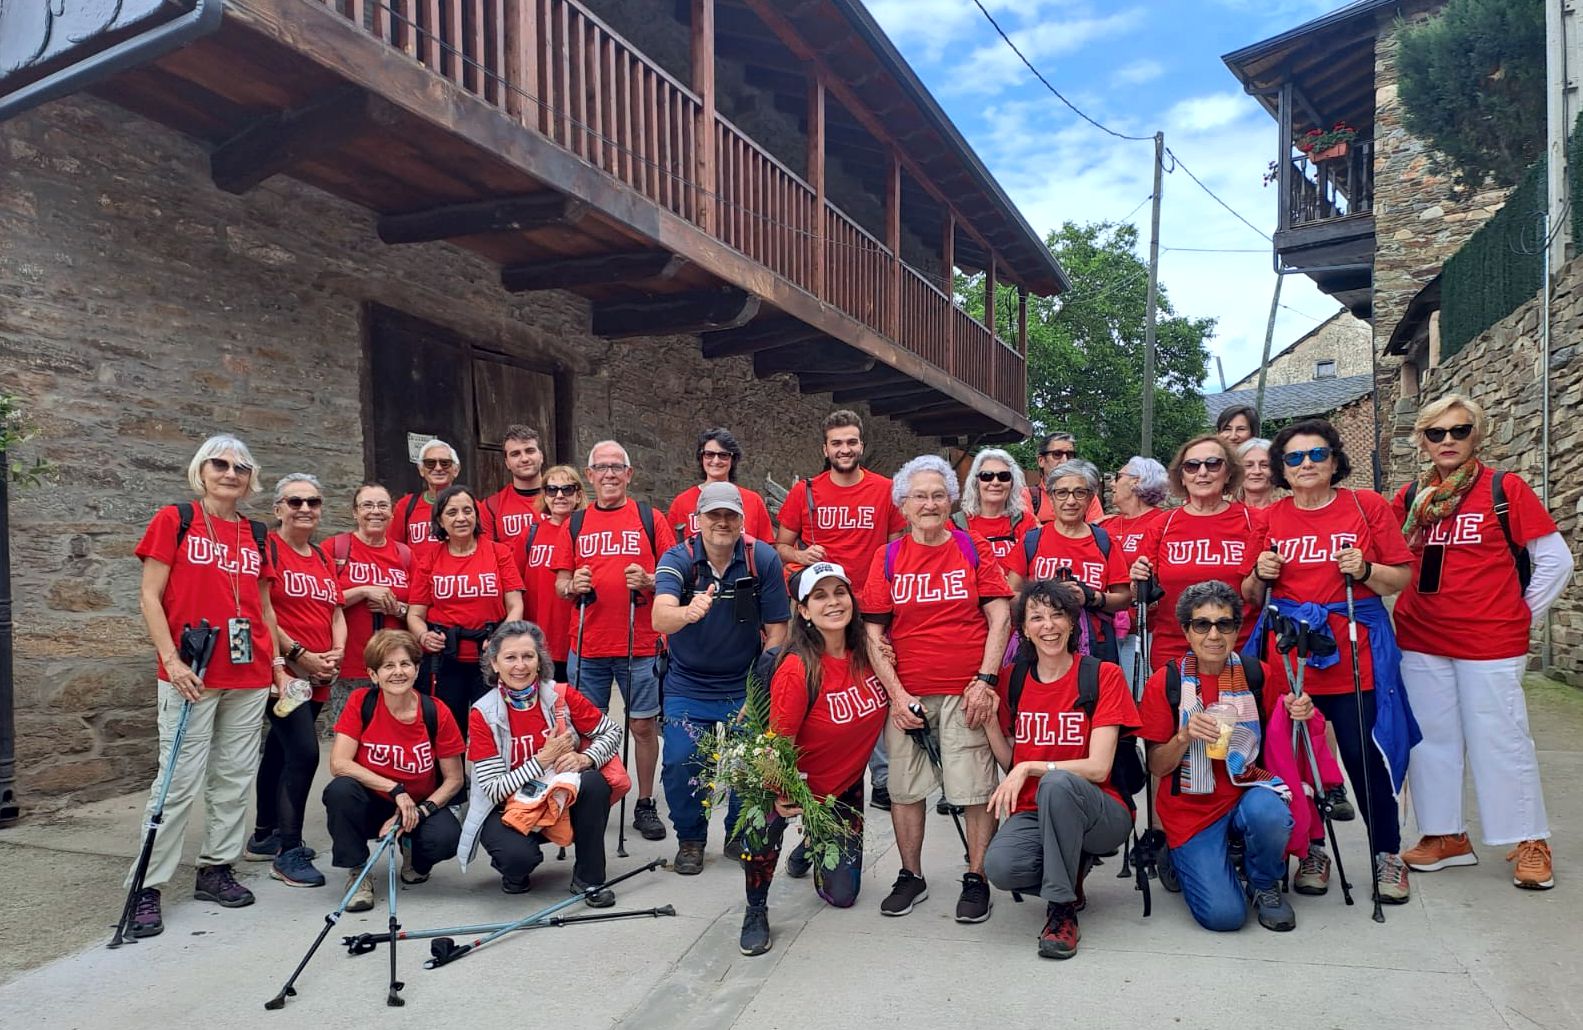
(710, 659)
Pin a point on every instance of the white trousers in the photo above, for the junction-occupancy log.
(1477, 709)
(219, 753)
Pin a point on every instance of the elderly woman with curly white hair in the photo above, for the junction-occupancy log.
(1139, 488)
(992, 502)
(941, 596)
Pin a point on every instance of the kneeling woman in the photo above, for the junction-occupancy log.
(525, 730)
(827, 701)
(397, 757)
(1057, 806)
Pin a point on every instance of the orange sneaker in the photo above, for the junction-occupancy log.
(1533, 865)
(1439, 851)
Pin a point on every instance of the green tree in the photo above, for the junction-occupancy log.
(1472, 83)
(1085, 350)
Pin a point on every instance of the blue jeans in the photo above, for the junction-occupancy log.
(592, 677)
(1209, 881)
(684, 718)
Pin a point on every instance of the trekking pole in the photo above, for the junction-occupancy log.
(445, 951)
(363, 943)
(931, 748)
(582, 612)
(279, 1000)
(1321, 800)
(1364, 743)
(394, 998)
(196, 646)
(626, 721)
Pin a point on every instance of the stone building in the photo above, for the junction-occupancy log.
(1348, 402)
(1337, 348)
(331, 235)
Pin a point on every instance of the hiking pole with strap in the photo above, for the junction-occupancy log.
(931, 748)
(363, 943)
(583, 600)
(1364, 743)
(290, 990)
(1300, 732)
(626, 721)
(195, 647)
(394, 998)
(443, 951)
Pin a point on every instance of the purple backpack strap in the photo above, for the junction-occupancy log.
(891, 550)
(964, 544)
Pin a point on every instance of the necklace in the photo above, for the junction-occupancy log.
(235, 572)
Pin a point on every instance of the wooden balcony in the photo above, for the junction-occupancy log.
(1326, 223)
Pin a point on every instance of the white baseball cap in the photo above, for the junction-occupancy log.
(809, 577)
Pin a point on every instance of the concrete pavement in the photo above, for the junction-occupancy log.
(1469, 950)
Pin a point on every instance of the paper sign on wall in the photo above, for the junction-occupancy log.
(415, 442)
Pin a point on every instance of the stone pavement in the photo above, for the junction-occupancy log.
(1469, 950)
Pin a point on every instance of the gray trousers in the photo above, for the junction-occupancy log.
(1039, 852)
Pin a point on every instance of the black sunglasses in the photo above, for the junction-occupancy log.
(1435, 434)
(714, 455)
(1226, 626)
(1194, 464)
(1057, 454)
(552, 489)
(1004, 476)
(437, 463)
(222, 466)
(1313, 454)
(311, 503)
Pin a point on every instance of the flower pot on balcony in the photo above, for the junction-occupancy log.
(1330, 153)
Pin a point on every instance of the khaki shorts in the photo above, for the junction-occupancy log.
(968, 765)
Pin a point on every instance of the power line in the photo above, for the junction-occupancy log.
(1213, 195)
(1128, 216)
(1217, 250)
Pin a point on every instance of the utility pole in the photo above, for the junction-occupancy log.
(1147, 448)
(1269, 336)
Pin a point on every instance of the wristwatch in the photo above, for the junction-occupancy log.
(426, 809)
(987, 677)
(396, 791)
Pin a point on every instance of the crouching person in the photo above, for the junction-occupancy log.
(397, 758)
(1204, 719)
(525, 743)
(1060, 720)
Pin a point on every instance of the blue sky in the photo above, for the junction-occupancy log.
(1137, 67)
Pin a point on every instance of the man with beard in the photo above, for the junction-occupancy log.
(515, 507)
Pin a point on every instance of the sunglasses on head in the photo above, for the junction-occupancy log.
(1436, 434)
(1194, 464)
(1003, 476)
(1053, 453)
(552, 489)
(311, 503)
(223, 466)
(1225, 626)
(1313, 454)
(437, 463)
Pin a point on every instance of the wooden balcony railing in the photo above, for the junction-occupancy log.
(556, 68)
(1335, 188)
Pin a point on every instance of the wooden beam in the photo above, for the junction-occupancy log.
(504, 214)
(948, 254)
(989, 296)
(952, 425)
(593, 270)
(675, 314)
(704, 139)
(825, 382)
(829, 356)
(907, 404)
(893, 240)
(1022, 321)
(522, 60)
(764, 334)
(277, 142)
(816, 155)
(874, 393)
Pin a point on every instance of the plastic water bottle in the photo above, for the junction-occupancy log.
(297, 691)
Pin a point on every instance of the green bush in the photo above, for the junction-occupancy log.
(1498, 269)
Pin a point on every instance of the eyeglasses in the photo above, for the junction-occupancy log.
(311, 503)
(1053, 453)
(1003, 476)
(437, 463)
(1313, 454)
(1081, 493)
(1226, 627)
(1192, 465)
(608, 469)
(715, 455)
(373, 505)
(1436, 434)
(556, 489)
(936, 498)
(222, 466)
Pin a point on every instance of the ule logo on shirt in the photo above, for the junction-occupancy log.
(855, 701)
(1046, 567)
(862, 517)
(1131, 542)
(419, 533)
(203, 551)
(410, 761)
(539, 557)
(1205, 552)
(1465, 530)
(928, 587)
(609, 544)
(484, 584)
(1306, 550)
(300, 584)
(1033, 728)
(523, 748)
(1001, 548)
(515, 525)
(366, 573)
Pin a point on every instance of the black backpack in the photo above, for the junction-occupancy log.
(186, 511)
(1252, 671)
(1520, 556)
(1127, 772)
(574, 527)
(431, 716)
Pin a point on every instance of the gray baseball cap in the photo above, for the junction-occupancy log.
(714, 496)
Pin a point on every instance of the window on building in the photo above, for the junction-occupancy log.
(1325, 369)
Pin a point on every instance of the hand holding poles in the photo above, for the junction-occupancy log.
(1363, 747)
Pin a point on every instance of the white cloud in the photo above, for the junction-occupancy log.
(993, 67)
(1137, 73)
(1206, 113)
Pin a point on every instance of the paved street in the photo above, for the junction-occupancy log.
(1468, 951)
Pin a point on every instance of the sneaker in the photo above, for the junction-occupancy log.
(216, 883)
(604, 897)
(906, 892)
(646, 820)
(755, 939)
(974, 904)
(879, 798)
(261, 849)
(409, 875)
(1061, 933)
(1390, 873)
(516, 886)
(689, 858)
(1341, 809)
(1313, 872)
(1272, 908)
(1435, 851)
(363, 896)
(146, 920)
(294, 868)
(798, 863)
(1533, 872)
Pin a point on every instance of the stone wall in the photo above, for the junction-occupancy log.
(141, 310)
(1341, 338)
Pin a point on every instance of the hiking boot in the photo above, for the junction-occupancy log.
(1341, 809)
(1061, 933)
(409, 875)
(974, 904)
(646, 820)
(906, 892)
(944, 807)
(363, 896)
(798, 863)
(1313, 872)
(514, 886)
(216, 883)
(146, 920)
(879, 798)
(1435, 851)
(755, 939)
(1533, 871)
(604, 897)
(1390, 872)
(689, 858)
(1084, 863)
(1167, 870)
(261, 849)
(294, 868)
(1272, 908)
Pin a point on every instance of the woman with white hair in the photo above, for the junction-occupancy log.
(942, 597)
(203, 561)
(1138, 487)
(439, 466)
(1462, 624)
(992, 502)
(1258, 488)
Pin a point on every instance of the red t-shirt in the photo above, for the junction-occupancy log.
(756, 522)
(216, 579)
(835, 734)
(305, 596)
(1479, 593)
(370, 566)
(998, 531)
(850, 522)
(510, 513)
(529, 730)
(1184, 814)
(934, 599)
(468, 590)
(541, 604)
(1129, 532)
(610, 541)
(400, 750)
(1081, 555)
(416, 531)
(1052, 728)
(1186, 549)
(1308, 539)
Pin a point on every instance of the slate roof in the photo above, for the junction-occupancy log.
(1296, 400)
